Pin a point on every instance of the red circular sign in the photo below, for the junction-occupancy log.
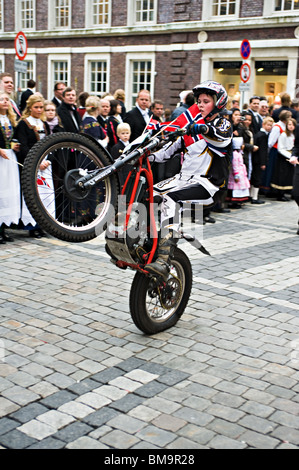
(245, 49)
(245, 72)
(21, 45)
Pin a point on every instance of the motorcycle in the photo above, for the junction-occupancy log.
(80, 198)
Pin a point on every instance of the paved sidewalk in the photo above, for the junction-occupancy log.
(76, 373)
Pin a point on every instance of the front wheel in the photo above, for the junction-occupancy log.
(156, 306)
(52, 196)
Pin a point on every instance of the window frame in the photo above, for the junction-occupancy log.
(88, 17)
(269, 10)
(132, 14)
(18, 17)
(207, 11)
(89, 58)
(130, 59)
(52, 17)
(52, 58)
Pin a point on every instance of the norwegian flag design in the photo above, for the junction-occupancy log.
(41, 181)
(191, 115)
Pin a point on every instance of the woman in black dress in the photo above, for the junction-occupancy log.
(31, 128)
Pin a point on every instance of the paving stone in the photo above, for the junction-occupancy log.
(223, 442)
(127, 403)
(16, 440)
(19, 395)
(119, 440)
(29, 412)
(7, 407)
(259, 441)
(126, 423)
(57, 399)
(93, 400)
(36, 429)
(100, 417)
(156, 436)
(107, 375)
(75, 409)
(151, 389)
(7, 425)
(48, 443)
(56, 419)
(144, 413)
(286, 434)
(125, 384)
(86, 442)
(169, 423)
(72, 432)
(260, 425)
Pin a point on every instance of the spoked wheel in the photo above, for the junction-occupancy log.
(53, 196)
(156, 306)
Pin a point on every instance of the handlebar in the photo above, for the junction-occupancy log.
(100, 174)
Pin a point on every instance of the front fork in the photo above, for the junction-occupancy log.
(141, 187)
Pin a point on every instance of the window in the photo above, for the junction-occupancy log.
(220, 10)
(284, 5)
(24, 77)
(98, 77)
(100, 10)
(140, 74)
(142, 11)
(139, 77)
(25, 14)
(60, 71)
(62, 10)
(223, 7)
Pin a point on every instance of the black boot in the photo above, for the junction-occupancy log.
(161, 266)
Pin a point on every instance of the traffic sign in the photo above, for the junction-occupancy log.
(244, 87)
(21, 66)
(21, 45)
(245, 49)
(245, 72)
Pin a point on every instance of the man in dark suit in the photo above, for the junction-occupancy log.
(105, 121)
(59, 88)
(25, 95)
(257, 120)
(285, 106)
(139, 116)
(70, 118)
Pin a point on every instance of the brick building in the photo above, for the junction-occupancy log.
(165, 46)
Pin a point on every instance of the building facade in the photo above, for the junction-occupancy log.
(165, 46)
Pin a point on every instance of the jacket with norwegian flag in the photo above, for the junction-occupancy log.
(206, 156)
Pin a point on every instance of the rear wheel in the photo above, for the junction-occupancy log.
(156, 306)
(52, 196)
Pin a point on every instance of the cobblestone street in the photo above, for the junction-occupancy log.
(76, 373)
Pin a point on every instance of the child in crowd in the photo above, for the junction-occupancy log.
(283, 174)
(238, 183)
(123, 133)
(259, 159)
(52, 117)
(90, 123)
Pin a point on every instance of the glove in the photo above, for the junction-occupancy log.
(195, 129)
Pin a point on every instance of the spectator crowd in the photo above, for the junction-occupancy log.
(261, 157)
